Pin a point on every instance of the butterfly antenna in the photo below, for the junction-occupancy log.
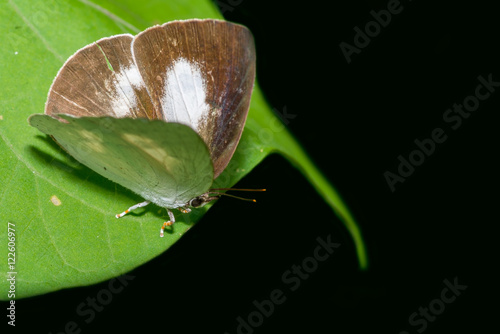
(237, 189)
(211, 191)
(229, 195)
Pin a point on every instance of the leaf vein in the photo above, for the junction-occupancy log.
(52, 241)
(35, 31)
(31, 168)
(113, 17)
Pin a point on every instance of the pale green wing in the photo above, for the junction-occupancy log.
(165, 163)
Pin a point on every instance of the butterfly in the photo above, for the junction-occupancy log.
(160, 113)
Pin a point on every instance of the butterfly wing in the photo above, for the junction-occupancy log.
(166, 163)
(101, 79)
(200, 73)
(196, 72)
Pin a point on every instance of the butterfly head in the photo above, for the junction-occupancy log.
(199, 201)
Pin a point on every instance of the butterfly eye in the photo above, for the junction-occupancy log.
(196, 202)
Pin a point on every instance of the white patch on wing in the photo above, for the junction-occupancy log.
(184, 94)
(124, 85)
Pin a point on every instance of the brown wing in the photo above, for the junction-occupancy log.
(200, 73)
(101, 79)
(196, 72)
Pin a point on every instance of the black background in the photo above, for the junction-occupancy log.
(354, 120)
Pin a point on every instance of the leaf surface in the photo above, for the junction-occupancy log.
(66, 233)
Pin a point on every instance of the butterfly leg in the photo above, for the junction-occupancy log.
(169, 223)
(139, 205)
(184, 210)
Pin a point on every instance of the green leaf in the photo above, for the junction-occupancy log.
(57, 206)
